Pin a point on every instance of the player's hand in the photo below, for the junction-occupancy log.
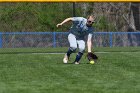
(58, 25)
(91, 56)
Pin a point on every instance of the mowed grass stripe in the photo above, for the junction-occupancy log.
(28, 73)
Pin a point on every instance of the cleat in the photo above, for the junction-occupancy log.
(65, 59)
(76, 63)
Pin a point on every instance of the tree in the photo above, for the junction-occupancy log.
(135, 13)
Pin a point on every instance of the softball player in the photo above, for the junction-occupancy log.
(81, 27)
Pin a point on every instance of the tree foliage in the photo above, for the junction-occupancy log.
(21, 17)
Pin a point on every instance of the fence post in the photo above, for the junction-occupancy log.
(74, 14)
(54, 39)
(0, 39)
(110, 39)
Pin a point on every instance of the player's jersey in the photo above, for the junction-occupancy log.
(79, 28)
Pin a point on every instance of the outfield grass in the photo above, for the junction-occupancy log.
(115, 72)
(64, 49)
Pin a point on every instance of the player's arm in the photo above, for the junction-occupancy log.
(91, 56)
(89, 42)
(65, 21)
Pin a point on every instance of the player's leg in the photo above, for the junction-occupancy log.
(73, 44)
(72, 48)
(81, 45)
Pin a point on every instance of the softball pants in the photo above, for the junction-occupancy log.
(74, 44)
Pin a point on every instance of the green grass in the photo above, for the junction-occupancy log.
(115, 72)
(64, 49)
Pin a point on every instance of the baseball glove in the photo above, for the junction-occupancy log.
(91, 56)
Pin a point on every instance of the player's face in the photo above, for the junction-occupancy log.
(90, 21)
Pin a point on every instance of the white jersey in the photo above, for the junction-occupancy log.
(79, 27)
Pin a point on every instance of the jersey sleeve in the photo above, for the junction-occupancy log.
(77, 19)
(90, 34)
(91, 30)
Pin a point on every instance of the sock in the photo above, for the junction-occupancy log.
(69, 52)
(78, 57)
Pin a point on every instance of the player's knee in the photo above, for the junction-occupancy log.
(73, 48)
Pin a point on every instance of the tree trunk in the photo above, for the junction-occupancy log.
(135, 7)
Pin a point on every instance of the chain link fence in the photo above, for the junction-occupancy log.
(59, 39)
(116, 24)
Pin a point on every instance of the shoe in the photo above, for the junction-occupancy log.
(65, 59)
(76, 63)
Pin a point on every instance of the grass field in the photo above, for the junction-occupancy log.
(35, 71)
